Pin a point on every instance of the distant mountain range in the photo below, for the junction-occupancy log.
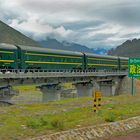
(12, 36)
(54, 44)
(130, 48)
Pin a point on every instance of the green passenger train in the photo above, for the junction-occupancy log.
(28, 58)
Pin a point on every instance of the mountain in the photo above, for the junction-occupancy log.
(55, 44)
(12, 36)
(130, 48)
(101, 51)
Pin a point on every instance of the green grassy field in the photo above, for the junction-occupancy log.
(26, 121)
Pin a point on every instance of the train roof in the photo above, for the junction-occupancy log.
(37, 49)
(124, 58)
(106, 56)
(7, 46)
(100, 56)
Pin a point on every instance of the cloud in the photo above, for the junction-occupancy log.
(94, 23)
(40, 31)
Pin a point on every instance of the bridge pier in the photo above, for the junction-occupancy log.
(50, 91)
(6, 93)
(110, 87)
(116, 85)
(84, 89)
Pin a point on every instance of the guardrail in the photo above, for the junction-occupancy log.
(57, 73)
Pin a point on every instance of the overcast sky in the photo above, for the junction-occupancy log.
(94, 23)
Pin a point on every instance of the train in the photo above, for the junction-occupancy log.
(35, 58)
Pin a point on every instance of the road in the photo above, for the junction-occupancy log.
(131, 136)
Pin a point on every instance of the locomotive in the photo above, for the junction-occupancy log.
(29, 58)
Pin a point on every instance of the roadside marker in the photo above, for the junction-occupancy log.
(96, 100)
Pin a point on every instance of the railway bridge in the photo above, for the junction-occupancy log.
(49, 82)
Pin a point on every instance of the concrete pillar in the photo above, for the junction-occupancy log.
(96, 86)
(84, 89)
(116, 86)
(106, 89)
(110, 88)
(6, 93)
(50, 92)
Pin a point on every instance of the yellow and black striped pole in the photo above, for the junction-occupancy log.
(95, 105)
(99, 102)
(96, 100)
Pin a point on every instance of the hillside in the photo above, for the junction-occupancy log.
(12, 36)
(130, 48)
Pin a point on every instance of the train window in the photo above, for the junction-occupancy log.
(52, 59)
(27, 57)
(8, 56)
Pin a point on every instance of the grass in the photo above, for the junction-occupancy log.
(26, 88)
(17, 121)
(68, 85)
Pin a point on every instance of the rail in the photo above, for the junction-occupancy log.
(16, 73)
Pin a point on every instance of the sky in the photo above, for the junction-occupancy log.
(94, 23)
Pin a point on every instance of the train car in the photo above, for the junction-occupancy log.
(28, 57)
(101, 62)
(49, 59)
(8, 56)
(123, 63)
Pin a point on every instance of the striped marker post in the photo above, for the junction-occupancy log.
(96, 100)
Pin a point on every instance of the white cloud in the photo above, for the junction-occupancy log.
(41, 31)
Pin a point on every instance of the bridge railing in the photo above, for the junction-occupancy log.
(57, 73)
(3, 71)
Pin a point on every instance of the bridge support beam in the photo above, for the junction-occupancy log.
(50, 92)
(84, 89)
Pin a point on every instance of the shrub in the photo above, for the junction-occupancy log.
(110, 117)
(36, 122)
(33, 123)
(43, 121)
(59, 124)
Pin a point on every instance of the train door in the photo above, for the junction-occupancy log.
(119, 64)
(19, 58)
(84, 61)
